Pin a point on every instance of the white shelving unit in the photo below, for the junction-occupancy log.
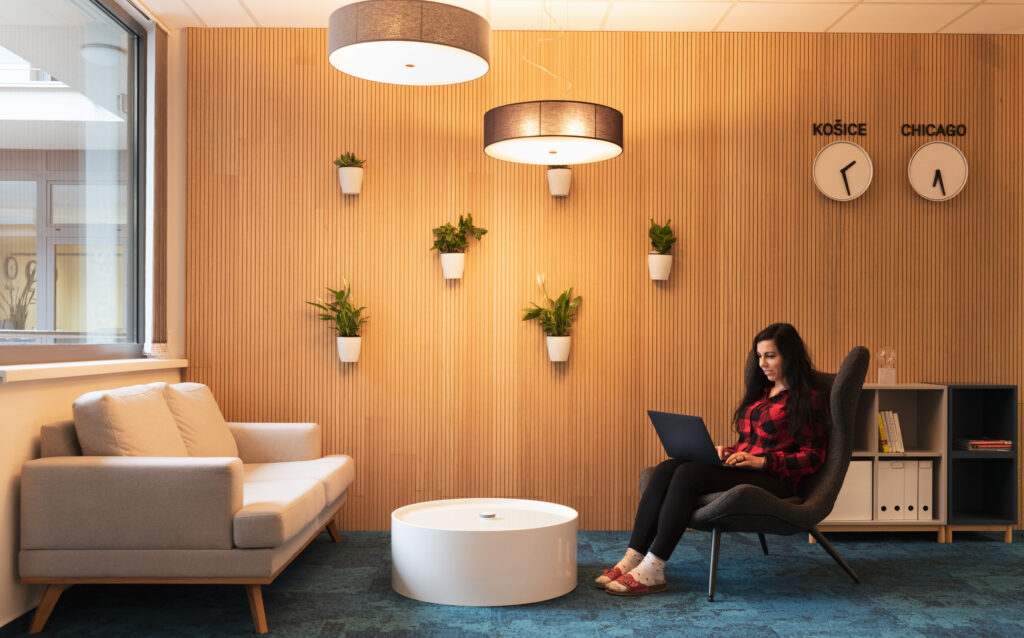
(922, 414)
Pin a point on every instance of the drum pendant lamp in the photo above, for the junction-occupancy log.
(413, 42)
(553, 132)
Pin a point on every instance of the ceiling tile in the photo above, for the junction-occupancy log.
(754, 16)
(665, 16)
(304, 14)
(899, 18)
(175, 14)
(223, 13)
(990, 18)
(578, 15)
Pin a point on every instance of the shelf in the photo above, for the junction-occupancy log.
(910, 454)
(979, 519)
(861, 454)
(981, 454)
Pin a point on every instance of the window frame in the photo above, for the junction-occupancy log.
(135, 256)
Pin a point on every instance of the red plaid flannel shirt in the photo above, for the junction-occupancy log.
(764, 431)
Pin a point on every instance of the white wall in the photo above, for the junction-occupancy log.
(24, 407)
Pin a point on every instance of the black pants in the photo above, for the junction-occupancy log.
(671, 497)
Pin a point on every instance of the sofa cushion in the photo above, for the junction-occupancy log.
(200, 422)
(129, 421)
(335, 473)
(274, 511)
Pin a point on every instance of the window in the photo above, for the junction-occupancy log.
(72, 87)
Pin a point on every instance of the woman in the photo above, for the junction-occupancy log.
(781, 423)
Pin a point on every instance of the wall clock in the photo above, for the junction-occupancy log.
(937, 171)
(842, 171)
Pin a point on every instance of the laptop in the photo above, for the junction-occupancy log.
(684, 437)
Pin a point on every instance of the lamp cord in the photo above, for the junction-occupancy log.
(561, 34)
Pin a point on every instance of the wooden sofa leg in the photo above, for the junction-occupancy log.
(45, 607)
(259, 616)
(332, 529)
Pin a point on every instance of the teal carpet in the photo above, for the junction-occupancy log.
(912, 586)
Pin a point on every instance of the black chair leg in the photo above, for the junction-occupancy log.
(833, 553)
(764, 543)
(716, 540)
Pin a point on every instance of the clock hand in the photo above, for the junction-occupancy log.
(938, 180)
(842, 171)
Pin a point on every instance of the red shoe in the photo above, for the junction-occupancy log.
(607, 576)
(626, 585)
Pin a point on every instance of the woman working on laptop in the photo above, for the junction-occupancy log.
(781, 426)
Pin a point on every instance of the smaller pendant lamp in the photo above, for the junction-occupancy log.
(553, 132)
(413, 42)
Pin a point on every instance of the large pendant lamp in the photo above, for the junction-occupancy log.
(409, 42)
(553, 132)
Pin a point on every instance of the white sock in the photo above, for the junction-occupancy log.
(630, 560)
(650, 571)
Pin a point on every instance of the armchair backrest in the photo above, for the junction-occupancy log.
(820, 490)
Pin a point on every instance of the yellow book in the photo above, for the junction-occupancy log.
(881, 433)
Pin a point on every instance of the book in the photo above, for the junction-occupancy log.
(883, 441)
(900, 447)
(996, 445)
(893, 434)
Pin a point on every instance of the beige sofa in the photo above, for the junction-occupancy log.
(149, 484)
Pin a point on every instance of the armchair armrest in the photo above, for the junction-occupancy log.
(130, 502)
(277, 442)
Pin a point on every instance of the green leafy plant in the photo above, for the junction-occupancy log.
(661, 237)
(557, 166)
(451, 239)
(557, 318)
(349, 160)
(341, 312)
(15, 303)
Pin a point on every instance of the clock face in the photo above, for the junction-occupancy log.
(938, 171)
(842, 171)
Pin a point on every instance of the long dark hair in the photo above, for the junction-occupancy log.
(796, 368)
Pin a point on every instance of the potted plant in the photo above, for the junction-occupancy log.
(350, 173)
(452, 241)
(559, 180)
(346, 319)
(659, 262)
(555, 320)
(14, 303)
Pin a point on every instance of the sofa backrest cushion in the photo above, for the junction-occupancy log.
(200, 422)
(129, 421)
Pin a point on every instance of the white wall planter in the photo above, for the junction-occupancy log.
(348, 349)
(659, 266)
(351, 179)
(559, 180)
(452, 264)
(558, 348)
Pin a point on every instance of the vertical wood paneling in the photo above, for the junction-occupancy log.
(453, 395)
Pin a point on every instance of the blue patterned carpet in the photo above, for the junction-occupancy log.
(912, 586)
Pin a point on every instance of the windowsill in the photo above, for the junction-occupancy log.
(44, 371)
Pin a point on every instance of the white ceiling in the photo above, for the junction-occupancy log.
(831, 16)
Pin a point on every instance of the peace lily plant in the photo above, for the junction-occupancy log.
(659, 262)
(452, 241)
(556, 319)
(347, 319)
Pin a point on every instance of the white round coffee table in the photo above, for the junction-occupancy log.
(483, 551)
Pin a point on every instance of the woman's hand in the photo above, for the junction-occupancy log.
(721, 452)
(745, 459)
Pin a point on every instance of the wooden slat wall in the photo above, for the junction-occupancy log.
(453, 395)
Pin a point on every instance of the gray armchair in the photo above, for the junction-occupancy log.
(746, 508)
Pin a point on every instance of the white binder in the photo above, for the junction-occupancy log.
(909, 505)
(925, 507)
(890, 490)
